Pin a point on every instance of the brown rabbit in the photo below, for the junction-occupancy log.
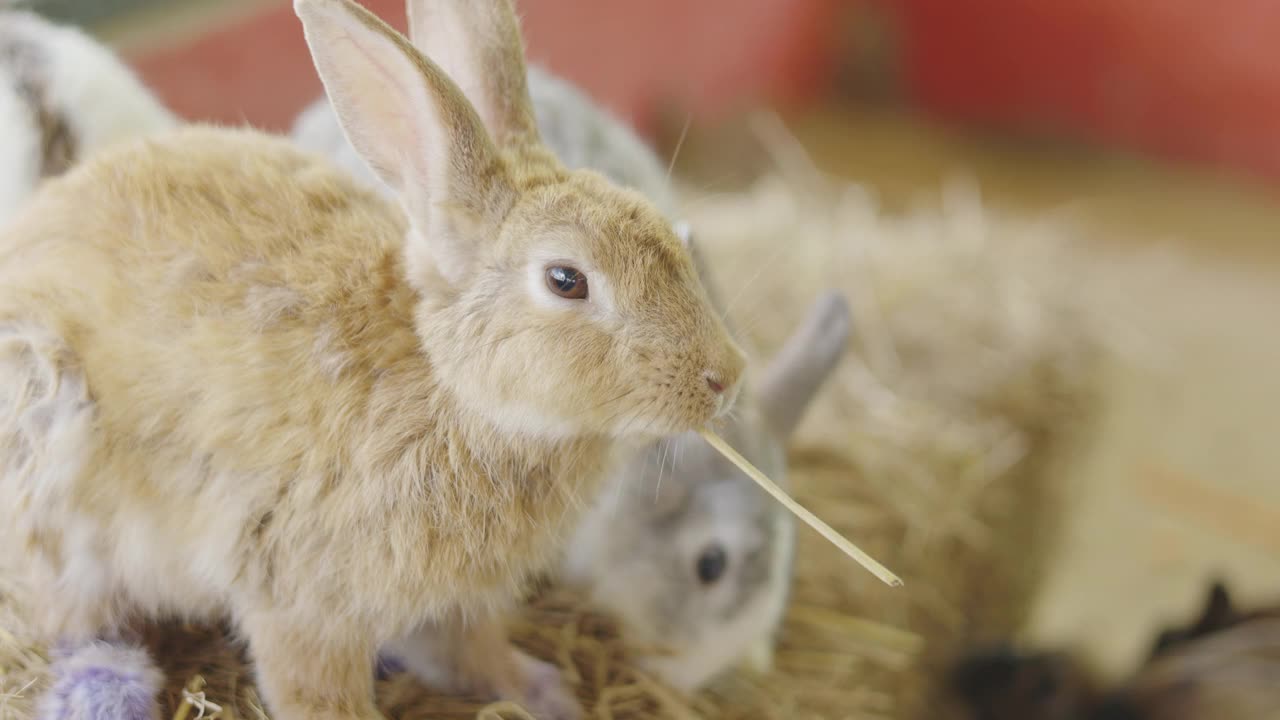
(232, 381)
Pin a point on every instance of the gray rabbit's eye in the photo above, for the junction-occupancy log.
(712, 563)
(567, 282)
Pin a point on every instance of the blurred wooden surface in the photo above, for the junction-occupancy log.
(1184, 480)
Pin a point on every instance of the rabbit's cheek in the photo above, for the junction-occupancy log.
(631, 593)
(525, 420)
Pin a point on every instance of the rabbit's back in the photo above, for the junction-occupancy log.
(160, 306)
(222, 198)
(206, 273)
(211, 383)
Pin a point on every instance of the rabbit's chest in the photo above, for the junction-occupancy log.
(489, 522)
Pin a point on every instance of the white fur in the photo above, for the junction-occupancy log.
(20, 170)
(101, 100)
(40, 402)
(758, 655)
(45, 422)
(737, 642)
(44, 405)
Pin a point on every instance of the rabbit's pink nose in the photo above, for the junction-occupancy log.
(715, 385)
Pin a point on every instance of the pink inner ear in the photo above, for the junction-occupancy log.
(476, 59)
(451, 52)
(393, 132)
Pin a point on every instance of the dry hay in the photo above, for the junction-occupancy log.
(932, 448)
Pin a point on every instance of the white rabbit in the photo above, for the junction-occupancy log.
(63, 97)
(690, 552)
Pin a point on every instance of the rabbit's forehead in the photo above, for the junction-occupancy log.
(614, 230)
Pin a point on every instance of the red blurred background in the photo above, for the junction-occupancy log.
(706, 57)
(1188, 80)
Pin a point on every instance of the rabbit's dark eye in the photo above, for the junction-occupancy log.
(567, 282)
(711, 564)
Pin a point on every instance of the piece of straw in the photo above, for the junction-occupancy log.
(503, 709)
(800, 511)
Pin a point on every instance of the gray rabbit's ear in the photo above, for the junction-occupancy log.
(791, 380)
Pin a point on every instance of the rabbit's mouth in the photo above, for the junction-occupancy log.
(655, 419)
(725, 401)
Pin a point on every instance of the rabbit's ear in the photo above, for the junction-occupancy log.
(1218, 612)
(408, 121)
(478, 43)
(791, 380)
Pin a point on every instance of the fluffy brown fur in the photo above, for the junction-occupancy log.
(394, 422)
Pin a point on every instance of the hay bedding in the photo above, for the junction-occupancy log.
(932, 448)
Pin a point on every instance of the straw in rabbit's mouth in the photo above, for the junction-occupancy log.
(800, 511)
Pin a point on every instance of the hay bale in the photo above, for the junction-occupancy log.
(935, 444)
(932, 447)
(22, 661)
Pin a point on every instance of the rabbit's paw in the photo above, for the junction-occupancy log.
(102, 681)
(387, 666)
(545, 694)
